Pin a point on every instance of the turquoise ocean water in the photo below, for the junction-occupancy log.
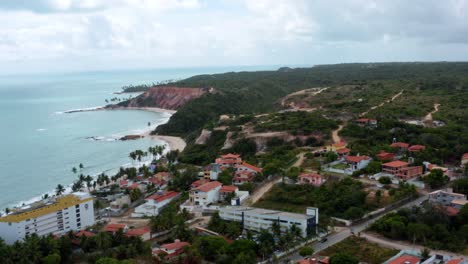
(41, 144)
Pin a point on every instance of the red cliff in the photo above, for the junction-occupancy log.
(166, 97)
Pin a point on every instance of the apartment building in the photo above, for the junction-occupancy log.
(55, 215)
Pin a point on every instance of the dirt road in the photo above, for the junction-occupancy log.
(335, 136)
(428, 117)
(383, 103)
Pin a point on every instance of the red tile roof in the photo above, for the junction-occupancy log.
(138, 231)
(405, 259)
(417, 148)
(162, 197)
(339, 144)
(451, 211)
(385, 156)
(198, 183)
(228, 189)
(465, 156)
(396, 164)
(114, 227)
(209, 186)
(175, 245)
(356, 158)
(343, 151)
(249, 166)
(399, 145)
(84, 233)
(454, 261)
(123, 182)
(310, 175)
(133, 186)
(230, 156)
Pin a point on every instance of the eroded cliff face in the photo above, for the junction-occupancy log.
(165, 97)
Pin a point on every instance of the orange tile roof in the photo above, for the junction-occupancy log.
(451, 211)
(138, 231)
(162, 197)
(396, 164)
(399, 145)
(228, 189)
(343, 151)
(405, 259)
(417, 148)
(310, 175)
(465, 156)
(175, 245)
(209, 186)
(340, 144)
(198, 183)
(250, 166)
(114, 227)
(454, 261)
(84, 233)
(356, 158)
(230, 156)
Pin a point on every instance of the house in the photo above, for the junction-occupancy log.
(400, 145)
(406, 259)
(124, 183)
(241, 177)
(112, 228)
(458, 203)
(144, 233)
(416, 148)
(212, 171)
(402, 170)
(205, 194)
(248, 167)
(226, 191)
(336, 146)
(366, 122)
(343, 152)
(311, 179)
(385, 156)
(120, 202)
(357, 162)
(229, 160)
(446, 198)
(171, 250)
(154, 203)
(464, 159)
(199, 183)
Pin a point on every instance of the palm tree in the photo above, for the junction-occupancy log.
(59, 189)
(7, 210)
(81, 166)
(88, 181)
(45, 196)
(74, 170)
(78, 185)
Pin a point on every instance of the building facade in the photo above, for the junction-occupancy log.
(257, 218)
(56, 215)
(154, 203)
(205, 194)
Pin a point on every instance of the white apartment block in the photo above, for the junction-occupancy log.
(205, 194)
(56, 215)
(257, 218)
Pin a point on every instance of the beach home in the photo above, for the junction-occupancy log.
(248, 167)
(205, 194)
(155, 203)
(227, 191)
(311, 179)
(357, 162)
(402, 170)
(241, 177)
(229, 160)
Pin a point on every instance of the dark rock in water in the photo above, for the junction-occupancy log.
(131, 137)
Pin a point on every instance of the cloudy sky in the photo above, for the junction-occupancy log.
(77, 35)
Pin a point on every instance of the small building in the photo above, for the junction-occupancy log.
(144, 233)
(400, 145)
(171, 250)
(406, 259)
(226, 191)
(357, 162)
(112, 228)
(154, 204)
(464, 159)
(241, 177)
(366, 122)
(311, 179)
(343, 152)
(385, 156)
(257, 219)
(199, 183)
(248, 167)
(205, 194)
(229, 160)
(336, 146)
(402, 170)
(446, 198)
(416, 148)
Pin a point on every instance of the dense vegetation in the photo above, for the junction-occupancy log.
(362, 250)
(344, 199)
(428, 226)
(256, 92)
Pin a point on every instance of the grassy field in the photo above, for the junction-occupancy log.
(362, 249)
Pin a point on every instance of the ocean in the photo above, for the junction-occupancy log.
(41, 144)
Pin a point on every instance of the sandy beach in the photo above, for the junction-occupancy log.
(175, 143)
(151, 109)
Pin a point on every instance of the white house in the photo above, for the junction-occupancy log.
(154, 204)
(55, 215)
(357, 162)
(205, 194)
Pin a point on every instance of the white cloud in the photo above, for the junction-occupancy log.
(100, 34)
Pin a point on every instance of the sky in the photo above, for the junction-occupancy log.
(83, 35)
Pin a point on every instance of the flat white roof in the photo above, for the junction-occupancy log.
(266, 212)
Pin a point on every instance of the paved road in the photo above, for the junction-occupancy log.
(357, 228)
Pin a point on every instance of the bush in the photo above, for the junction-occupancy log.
(385, 180)
(306, 251)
